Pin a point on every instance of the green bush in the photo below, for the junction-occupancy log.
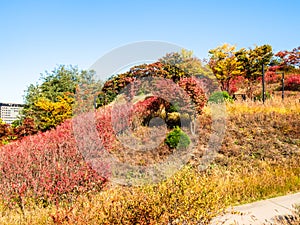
(219, 97)
(177, 138)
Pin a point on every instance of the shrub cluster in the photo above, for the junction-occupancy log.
(45, 167)
(292, 82)
(259, 158)
(177, 138)
(12, 132)
(272, 77)
(169, 75)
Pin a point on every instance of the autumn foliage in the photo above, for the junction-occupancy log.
(9, 133)
(292, 82)
(64, 163)
(45, 167)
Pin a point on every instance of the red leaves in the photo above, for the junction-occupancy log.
(194, 90)
(270, 77)
(45, 166)
(290, 58)
(64, 161)
(9, 133)
(292, 82)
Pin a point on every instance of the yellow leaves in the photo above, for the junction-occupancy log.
(222, 51)
(224, 63)
(51, 114)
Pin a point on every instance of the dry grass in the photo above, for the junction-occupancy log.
(259, 158)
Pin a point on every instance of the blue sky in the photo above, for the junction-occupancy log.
(40, 35)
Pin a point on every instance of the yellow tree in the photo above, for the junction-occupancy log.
(50, 114)
(225, 65)
(188, 63)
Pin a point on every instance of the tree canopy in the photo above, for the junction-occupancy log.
(228, 63)
(225, 65)
(289, 60)
(188, 63)
(50, 102)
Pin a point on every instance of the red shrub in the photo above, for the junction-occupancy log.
(62, 162)
(46, 166)
(272, 77)
(274, 68)
(292, 82)
(235, 84)
(194, 90)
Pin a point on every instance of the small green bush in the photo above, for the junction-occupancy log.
(219, 97)
(177, 138)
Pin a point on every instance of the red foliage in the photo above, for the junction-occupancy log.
(272, 77)
(274, 68)
(58, 163)
(110, 121)
(46, 166)
(235, 84)
(148, 106)
(9, 133)
(195, 92)
(292, 82)
(290, 58)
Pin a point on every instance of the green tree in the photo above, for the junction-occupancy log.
(225, 65)
(252, 61)
(55, 89)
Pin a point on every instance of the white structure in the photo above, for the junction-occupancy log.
(9, 112)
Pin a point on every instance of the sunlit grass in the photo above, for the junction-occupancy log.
(240, 174)
(274, 105)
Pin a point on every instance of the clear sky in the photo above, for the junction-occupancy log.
(40, 35)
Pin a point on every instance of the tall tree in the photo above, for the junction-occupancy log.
(225, 65)
(54, 95)
(289, 60)
(187, 62)
(252, 61)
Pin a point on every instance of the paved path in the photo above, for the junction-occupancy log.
(258, 213)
